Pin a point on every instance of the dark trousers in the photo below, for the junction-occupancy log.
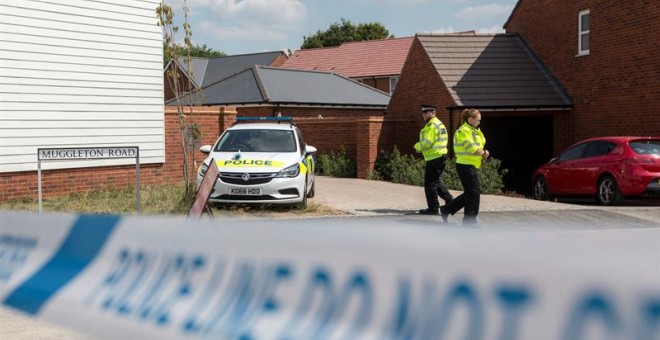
(433, 186)
(469, 199)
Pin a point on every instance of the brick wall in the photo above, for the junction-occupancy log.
(616, 88)
(280, 60)
(382, 83)
(361, 132)
(418, 84)
(18, 185)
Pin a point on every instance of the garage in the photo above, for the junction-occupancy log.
(522, 143)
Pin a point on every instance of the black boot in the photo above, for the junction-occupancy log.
(428, 211)
(445, 214)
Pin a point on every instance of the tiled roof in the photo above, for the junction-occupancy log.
(355, 59)
(273, 85)
(208, 71)
(493, 71)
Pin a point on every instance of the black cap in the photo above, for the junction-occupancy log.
(428, 108)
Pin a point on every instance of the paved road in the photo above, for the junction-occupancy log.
(376, 198)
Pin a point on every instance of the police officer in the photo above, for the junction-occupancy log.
(469, 145)
(433, 145)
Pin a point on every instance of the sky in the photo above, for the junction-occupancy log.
(252, 26)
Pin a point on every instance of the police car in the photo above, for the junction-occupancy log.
(261, 160)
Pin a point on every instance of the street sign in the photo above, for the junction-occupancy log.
(55, 154)
(89, 153)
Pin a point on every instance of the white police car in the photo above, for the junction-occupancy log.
(261, 162)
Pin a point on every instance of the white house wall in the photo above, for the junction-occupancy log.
(79, 73)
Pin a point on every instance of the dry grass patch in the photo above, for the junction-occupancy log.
(155, 200)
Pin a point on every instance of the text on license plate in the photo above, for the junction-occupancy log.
(245, 191)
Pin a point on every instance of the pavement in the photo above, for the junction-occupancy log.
(365, 198)
(361, 197)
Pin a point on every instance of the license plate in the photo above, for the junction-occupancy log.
(245, 191)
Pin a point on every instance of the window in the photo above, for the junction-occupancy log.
(573, 153)
(393, 81)
(583, 32)
(598, 148)
(257, 140)
(648, 147)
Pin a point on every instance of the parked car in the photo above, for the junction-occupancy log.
(261, 162)
(608, 168)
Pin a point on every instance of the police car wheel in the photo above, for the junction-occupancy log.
(303, 203)
(311, 191)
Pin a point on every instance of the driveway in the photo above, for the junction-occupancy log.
(375, 198)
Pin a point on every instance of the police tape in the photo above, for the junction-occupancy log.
(330, 278)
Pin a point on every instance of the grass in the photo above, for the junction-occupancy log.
(155, 200)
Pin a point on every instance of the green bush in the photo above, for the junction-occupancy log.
(409, 169)
(399, 168)
(336, 164)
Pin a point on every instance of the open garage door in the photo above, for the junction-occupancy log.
(522, 143)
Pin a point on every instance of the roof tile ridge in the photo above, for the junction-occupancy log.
(260, 84)
(243, 55)
(374, 40)
(316, 48)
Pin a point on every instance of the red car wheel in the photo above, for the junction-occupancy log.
(608, 191)
(540, 189)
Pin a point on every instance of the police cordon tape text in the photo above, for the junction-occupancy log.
(162, 278)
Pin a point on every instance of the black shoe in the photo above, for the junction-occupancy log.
(428, 211)
(448, 200)
(470, 222)
(444, 214)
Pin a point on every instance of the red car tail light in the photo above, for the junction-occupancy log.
(644, 163)
(639, 160)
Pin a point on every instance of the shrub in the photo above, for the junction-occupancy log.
(398, 168)
(409, 169)
(336, 164)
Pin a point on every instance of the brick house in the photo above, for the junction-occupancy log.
(497, 74)
(606, 54)
(600, 57)
(206, 71)
(376, 63)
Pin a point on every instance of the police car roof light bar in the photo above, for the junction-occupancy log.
(278, 119)
(288, 119)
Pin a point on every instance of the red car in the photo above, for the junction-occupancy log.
(608, 168)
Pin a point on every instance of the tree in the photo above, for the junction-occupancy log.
(344, 31)
(197, 51)
(173, 50)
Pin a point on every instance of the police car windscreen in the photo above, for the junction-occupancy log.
(257, 141)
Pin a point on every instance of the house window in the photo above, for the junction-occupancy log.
(393, 81)
(583, 33)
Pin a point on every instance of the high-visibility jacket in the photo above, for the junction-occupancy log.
(467, 140)
(432, 140)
